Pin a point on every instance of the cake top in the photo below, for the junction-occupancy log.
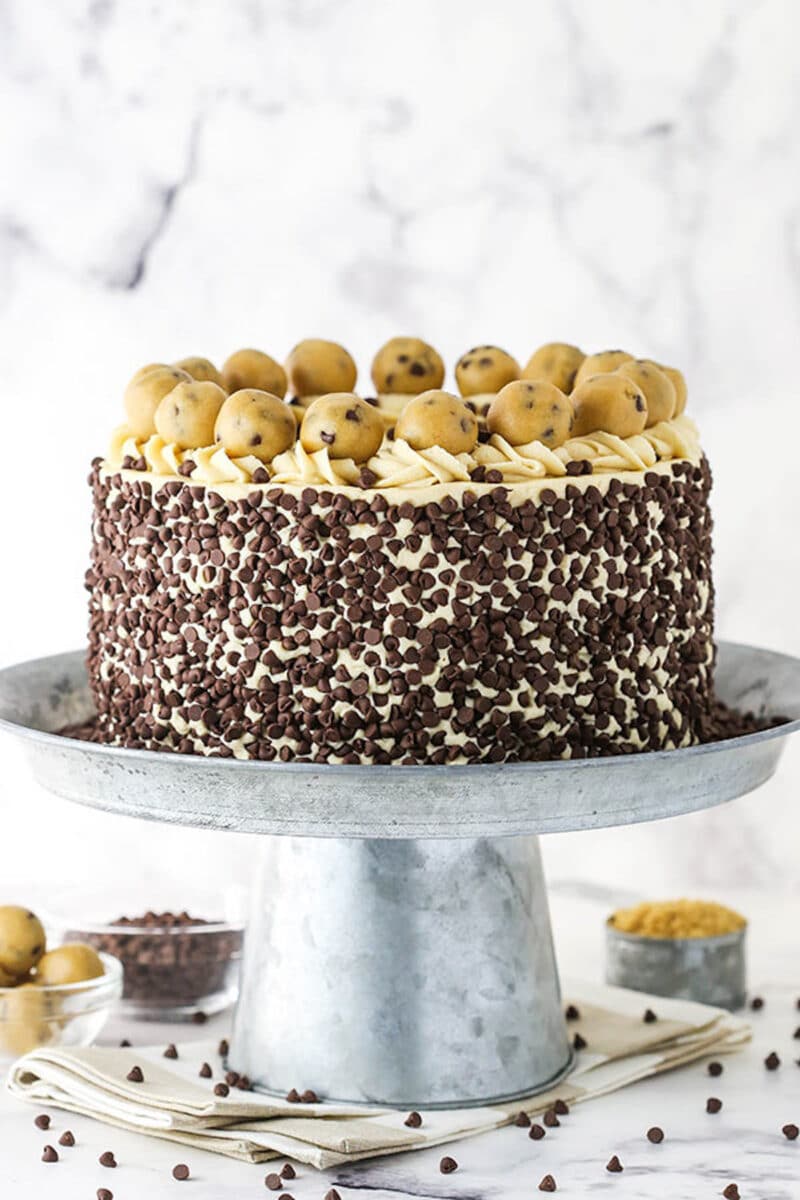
(563, 413)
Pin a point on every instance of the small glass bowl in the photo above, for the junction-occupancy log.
(170, 972)
(67, 1014)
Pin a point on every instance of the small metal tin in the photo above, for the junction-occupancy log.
(711, 970)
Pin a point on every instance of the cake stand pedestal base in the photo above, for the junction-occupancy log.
(408, 973)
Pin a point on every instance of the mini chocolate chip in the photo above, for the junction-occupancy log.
(614, 1165)
(649, 1016)
(104, 1194)
(107, 1159)
(332, 1194)
(713, 1105)
(309, 1097)
(223, 1048)
(548, 1184)
(522, 1120)
(537, 1132)
(790, 1132)
(796, 1033)
(171, 1051)
(135, 1075)
(49, 1154)
(232, 1078)
(579, 1042)
(572, 1013)
(221, 1089)
(756, 1003)
(550, 1119)
(413, 1120)
(42, 1121)
(561, 1107)
(772, 1062)
(715, 1068)
(205, 1071)
(199, 1017)
(288, 1171)
(448, 1165)
(180, 1171)
(655, 1135)
(67, 1138)
(293, 1096)
(352, 415)
(731, 1192)
(124, 1043)
(327, 438)
(274, 1182)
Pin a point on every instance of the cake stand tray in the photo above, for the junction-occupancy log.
(399, 948)
(37, 698)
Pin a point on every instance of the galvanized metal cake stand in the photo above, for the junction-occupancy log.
(399, 950)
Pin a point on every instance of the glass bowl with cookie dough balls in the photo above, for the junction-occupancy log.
(59, 996)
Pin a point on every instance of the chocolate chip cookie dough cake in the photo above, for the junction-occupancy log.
(521, 572)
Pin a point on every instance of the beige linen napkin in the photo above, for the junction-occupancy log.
(174, 1103)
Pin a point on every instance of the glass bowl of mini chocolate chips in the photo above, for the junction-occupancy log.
(176, 965)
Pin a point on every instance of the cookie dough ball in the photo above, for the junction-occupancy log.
(202, 370)
(530, 410)
(556, 363)
(317, 368)
(610, 403)
(22, 940)
(187, 414)
(679, 383)
(438, 419)
(74, 962)
(600, 364)
(485, 369)
(343, 424)
(145, 392)
(657, 388)
(407, 366)
(254, 422)
(23, 1019)
(253, 369)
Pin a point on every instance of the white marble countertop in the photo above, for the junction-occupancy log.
(701, 1154)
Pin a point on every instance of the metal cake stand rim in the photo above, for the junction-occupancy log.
(215, 762)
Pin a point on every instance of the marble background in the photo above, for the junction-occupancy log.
(192, 176)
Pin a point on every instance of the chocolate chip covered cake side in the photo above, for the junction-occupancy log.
(415, 579)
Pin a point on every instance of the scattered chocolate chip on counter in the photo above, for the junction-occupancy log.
(180, 1171)
(199, 1017)
(232, 1078)
(124, 1044)
(309, 1096)
(757, 1003)
(561, 1107)
(713, 1105)
(572, 1013)
(413, 1120)
(614, 1165)
(790, 1132)
(649, 1016)
(104, 1194)
(293, 1096)
(135, 1075)
(772, 1062)
(107, 1159)
(548, 1184)
(67, 1138)
(42, 1121)
(448, 1165)
(715, 1068)
(521, 1120)
(273, 1181)
(171, 1051)
(205, 1071)
(332, 1194)
(221, 1089)
(49, 1154)
(579, 1043)
(223, 1049)
(655, 1135)
(796, 1033)
(537, 1132)
(550, 1119)
(731, 1192)
(243, 1084)
(288, 1171)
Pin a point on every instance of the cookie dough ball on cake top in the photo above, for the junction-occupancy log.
(611, 404)
(679, 383)
(144, 393)
(74, 962)
(656, 386)
(556, 363)
(485, 369)
(254, 369)
(318, 368)
(407, 366)
(531, 410)
(601, 363)
(202, 370)
(22, 940)
(255, 422)
(344, 425)
(438, 419)
(187, 414)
